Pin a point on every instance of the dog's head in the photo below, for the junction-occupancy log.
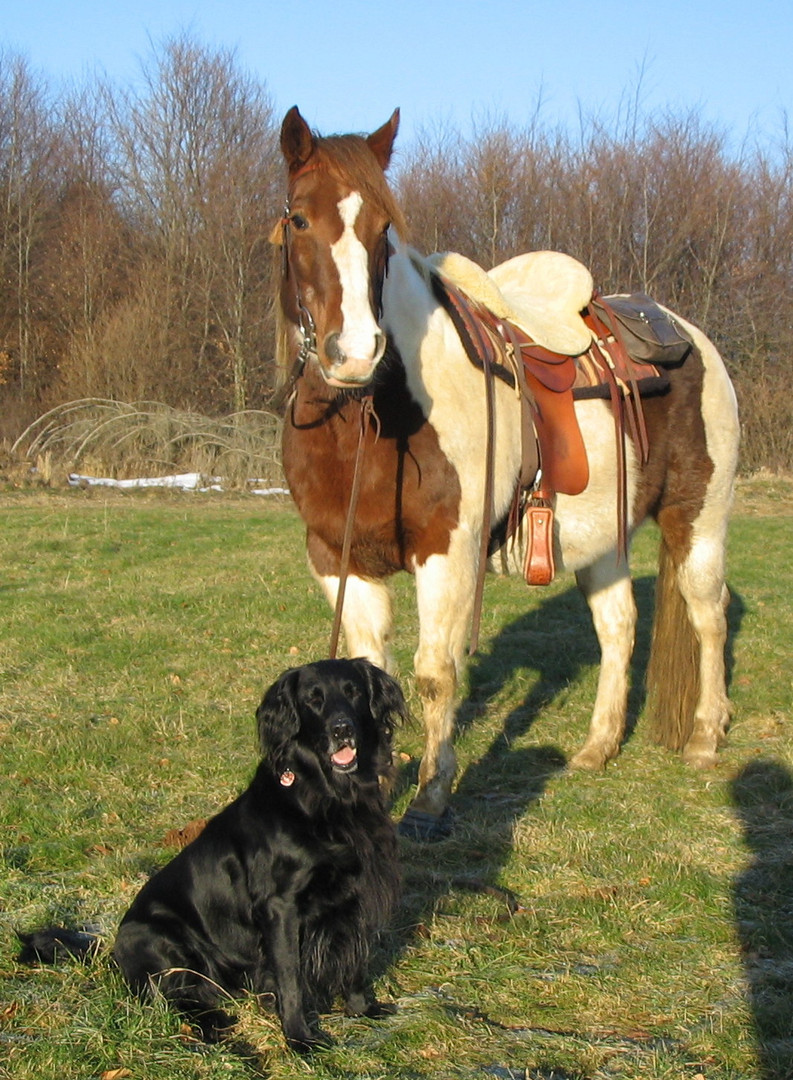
(333, 719)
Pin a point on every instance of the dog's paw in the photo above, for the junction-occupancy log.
(309, 1041)
(358, 1004)
(379, 1009)
(216, 1026)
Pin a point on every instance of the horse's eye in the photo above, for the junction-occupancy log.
(299, 222)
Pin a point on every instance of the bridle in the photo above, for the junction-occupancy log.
(305, 320)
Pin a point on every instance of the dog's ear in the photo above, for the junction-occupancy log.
(386, 701)
(278, 719)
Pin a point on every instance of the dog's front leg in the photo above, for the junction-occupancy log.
(282, 944)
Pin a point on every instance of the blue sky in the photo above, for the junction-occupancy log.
(348, 63)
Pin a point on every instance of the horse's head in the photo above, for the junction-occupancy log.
(334, 236)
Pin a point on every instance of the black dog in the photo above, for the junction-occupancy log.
(284, 891)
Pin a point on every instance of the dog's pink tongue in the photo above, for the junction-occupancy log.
(345, 756)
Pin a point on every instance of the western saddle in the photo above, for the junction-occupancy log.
(537, 323)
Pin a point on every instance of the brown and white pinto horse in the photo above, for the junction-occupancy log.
(359, 314)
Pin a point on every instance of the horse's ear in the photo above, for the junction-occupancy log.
(297, 142)
(381, 142)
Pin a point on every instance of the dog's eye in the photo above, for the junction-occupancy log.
(316, 697)
(351, 691)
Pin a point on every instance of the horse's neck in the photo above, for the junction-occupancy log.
(408, 304)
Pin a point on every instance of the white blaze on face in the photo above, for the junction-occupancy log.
(358, 339)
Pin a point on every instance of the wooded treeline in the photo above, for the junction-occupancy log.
(135, 262)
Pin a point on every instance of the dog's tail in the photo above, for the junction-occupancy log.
(55, 943)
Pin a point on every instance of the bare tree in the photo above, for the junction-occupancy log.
(134, 254)
(197, 169)
(28, 185)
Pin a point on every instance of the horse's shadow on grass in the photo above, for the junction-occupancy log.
(763, 902)
(555, 642)
(551, 645)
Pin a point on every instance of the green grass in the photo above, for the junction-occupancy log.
(654, 936)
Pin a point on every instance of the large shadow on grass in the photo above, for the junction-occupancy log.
(763, 900)
(554, 644)
(548, 647)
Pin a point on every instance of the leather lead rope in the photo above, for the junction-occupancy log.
(367, 410)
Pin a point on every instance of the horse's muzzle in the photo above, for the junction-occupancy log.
(342, 370)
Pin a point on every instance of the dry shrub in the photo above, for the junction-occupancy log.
(766, 411)
(122, 440)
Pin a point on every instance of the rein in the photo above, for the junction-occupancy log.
(367, 410)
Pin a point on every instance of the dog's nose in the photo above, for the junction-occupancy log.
(342, 729)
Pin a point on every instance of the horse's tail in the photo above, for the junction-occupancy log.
(673, 667)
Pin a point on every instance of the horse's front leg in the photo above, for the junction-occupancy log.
(367, 617)
(444, 594)
(609, 593)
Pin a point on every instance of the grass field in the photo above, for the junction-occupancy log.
(654, 936)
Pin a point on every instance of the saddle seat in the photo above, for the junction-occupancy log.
(541, 292)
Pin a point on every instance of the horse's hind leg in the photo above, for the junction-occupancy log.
(609, 593)
(707, 597)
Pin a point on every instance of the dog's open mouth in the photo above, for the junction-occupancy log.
(345, 759)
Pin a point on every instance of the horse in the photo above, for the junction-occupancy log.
(359, 320)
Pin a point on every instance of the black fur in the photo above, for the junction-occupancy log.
(284, 890)
(54, 944)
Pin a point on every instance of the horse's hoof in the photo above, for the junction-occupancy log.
(702, 757)
(425, 828)
(588, 761)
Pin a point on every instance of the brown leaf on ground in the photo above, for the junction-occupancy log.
(180, 838)
(99, 849)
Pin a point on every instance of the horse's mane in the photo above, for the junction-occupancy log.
(348, 158)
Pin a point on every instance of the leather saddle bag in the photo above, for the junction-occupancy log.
(647, 331)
